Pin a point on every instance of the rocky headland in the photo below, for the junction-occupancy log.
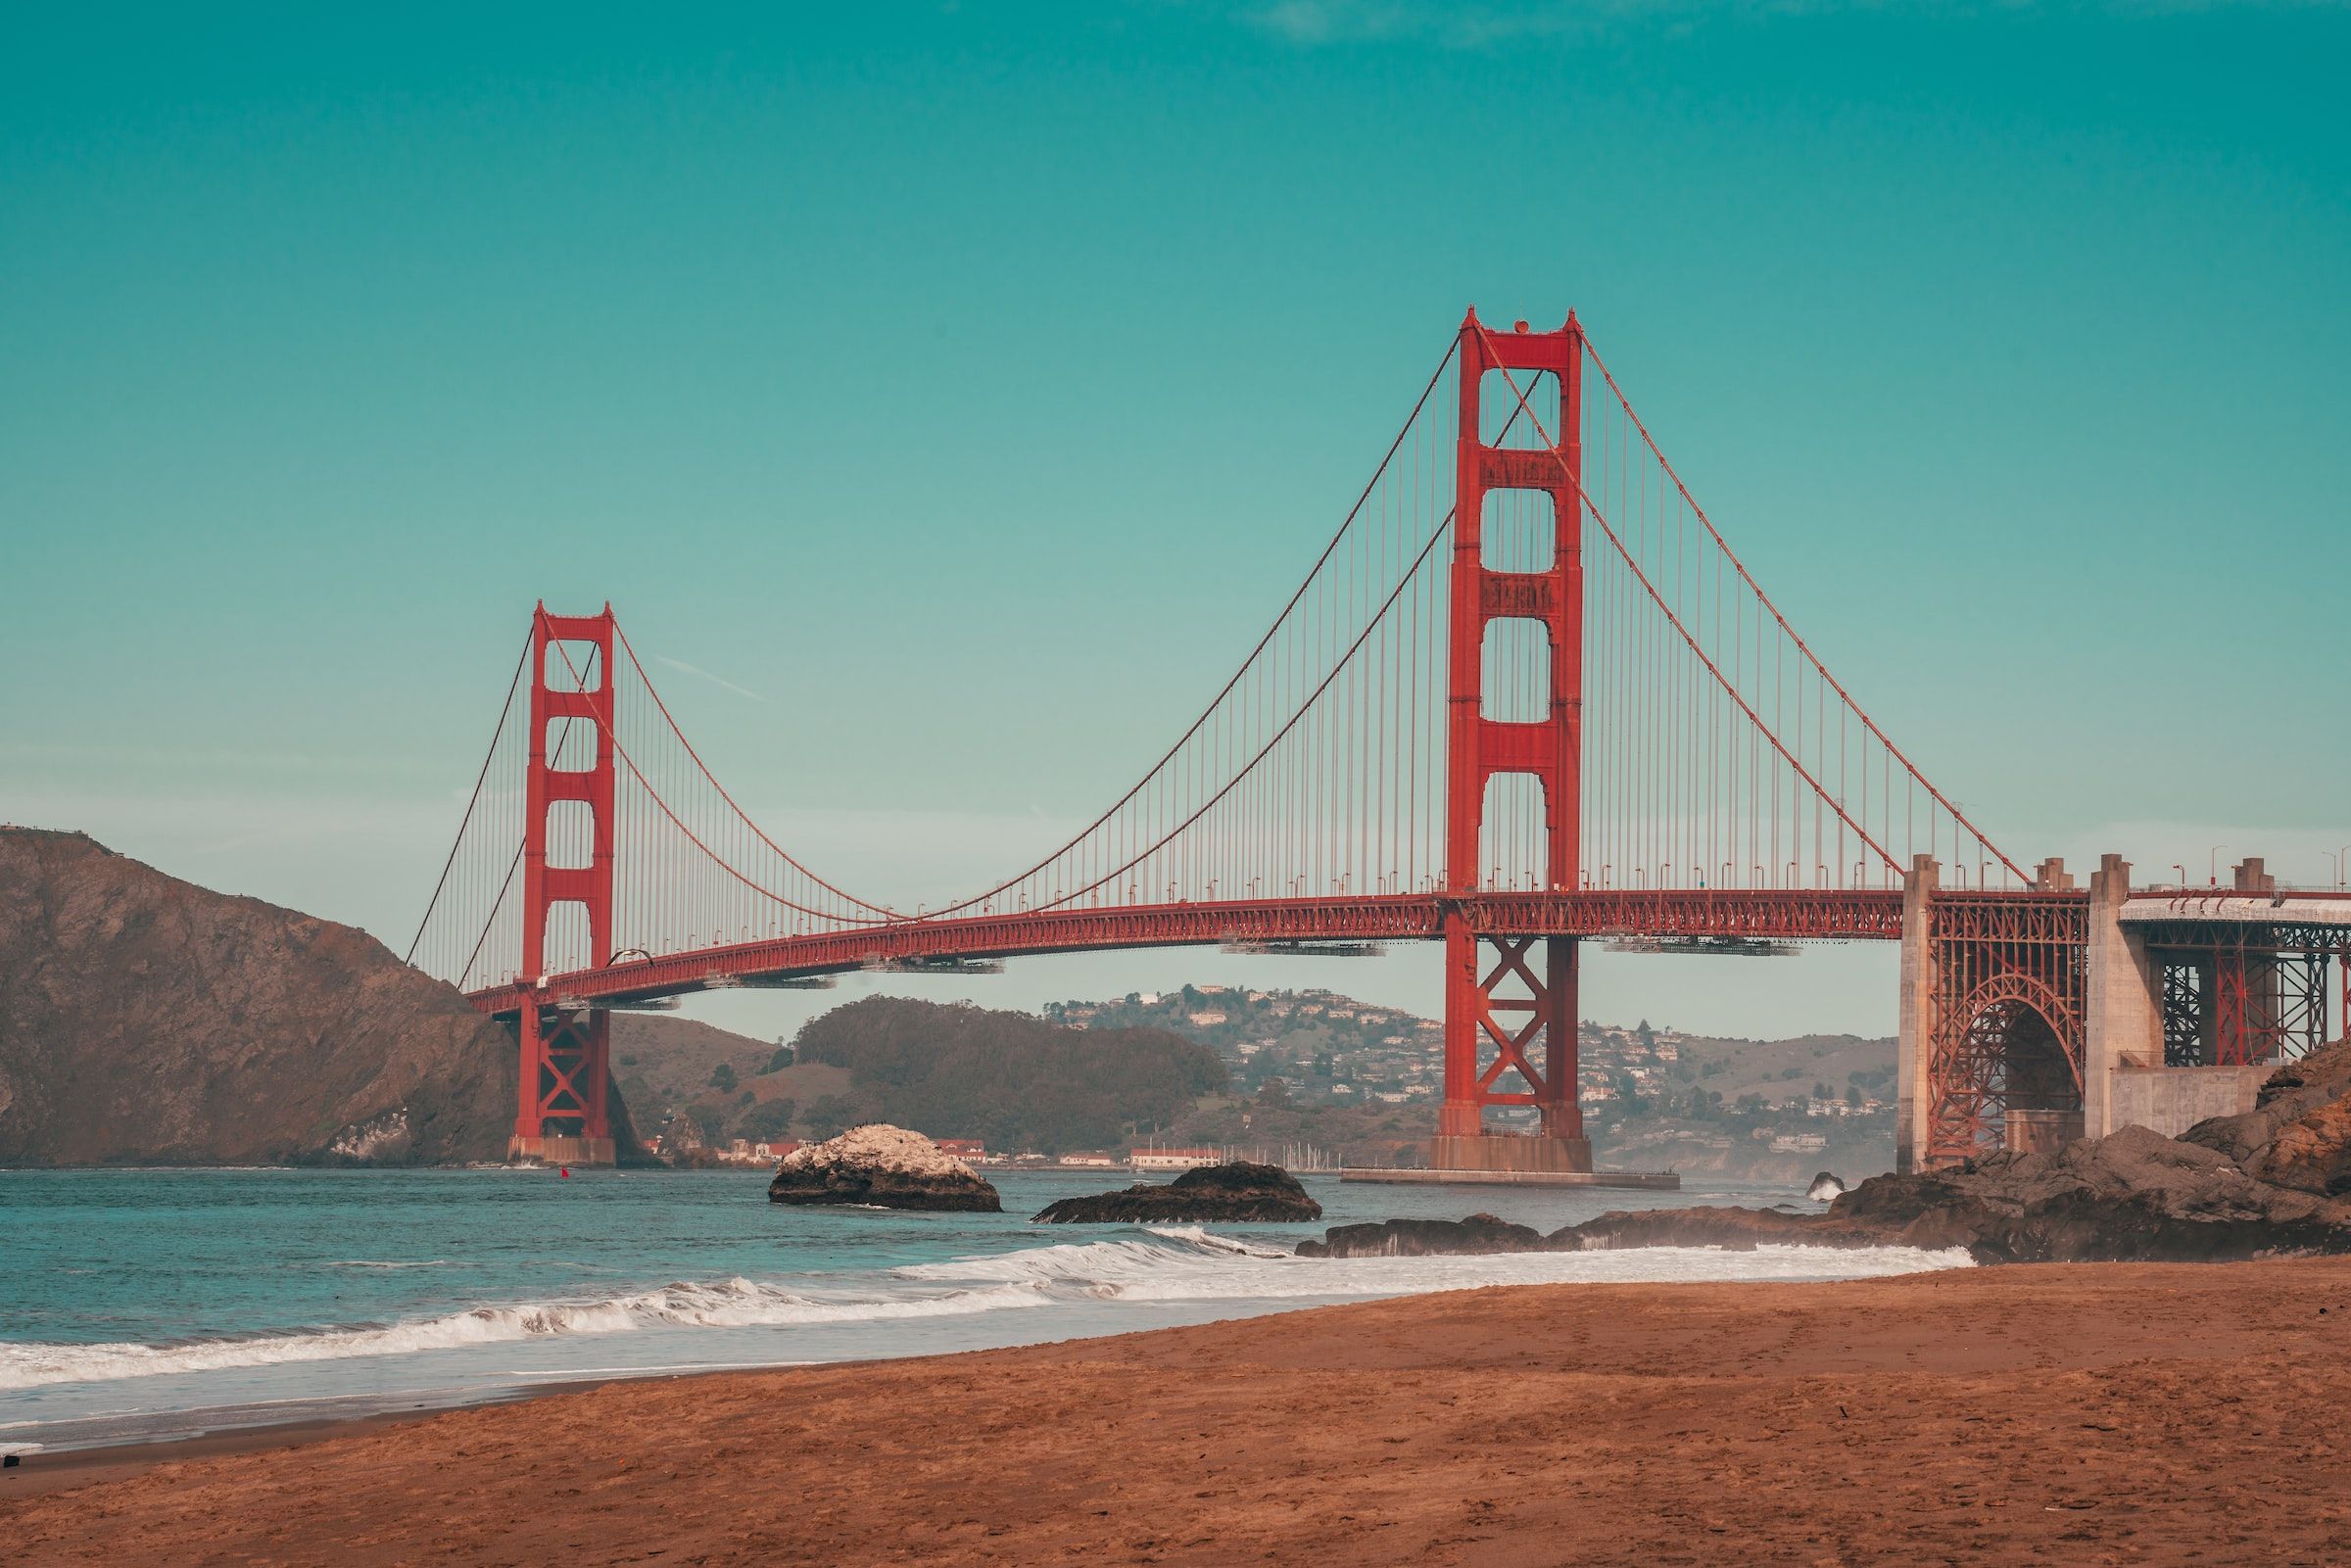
(1236, 1192)
(884, 1166)
(2273, 1182)
(146, 1020)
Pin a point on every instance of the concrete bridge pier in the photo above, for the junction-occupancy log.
(1914, 1044)
(2123, 997)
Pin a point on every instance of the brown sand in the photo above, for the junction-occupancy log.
(2088, 1414)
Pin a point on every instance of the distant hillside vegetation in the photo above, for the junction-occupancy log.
(664, 1062)
(144, 1020)
(1009, 1078)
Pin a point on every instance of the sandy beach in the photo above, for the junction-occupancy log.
(2102, 1413)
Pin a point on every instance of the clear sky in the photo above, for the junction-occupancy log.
(963, 386)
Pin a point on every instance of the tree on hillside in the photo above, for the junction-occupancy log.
(764, 1123)
(833, 1115)
(722, 1078)
(1010, 1080)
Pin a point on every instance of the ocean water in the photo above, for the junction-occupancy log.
(147, 1304)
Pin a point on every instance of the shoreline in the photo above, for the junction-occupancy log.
(2024, 1413)
(1005, 1327)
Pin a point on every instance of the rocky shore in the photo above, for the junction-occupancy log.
(884, 1166)
(2273, 1182)
(1237, 1192)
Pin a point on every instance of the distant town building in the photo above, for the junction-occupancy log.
(1171, 1159)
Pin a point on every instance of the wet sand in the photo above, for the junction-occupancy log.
(2086, 1414)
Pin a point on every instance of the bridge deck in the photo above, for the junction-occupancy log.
(1777, 914)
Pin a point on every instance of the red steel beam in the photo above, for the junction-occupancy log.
(1794, 914)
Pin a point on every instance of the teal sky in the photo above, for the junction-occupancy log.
(968, 384)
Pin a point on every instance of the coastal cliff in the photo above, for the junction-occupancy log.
(146, 1020)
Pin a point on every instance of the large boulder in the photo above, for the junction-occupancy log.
(2133, 1196)
(883, 1166)
(1236, 1193)
(2298, 1133)
(1425, 1238)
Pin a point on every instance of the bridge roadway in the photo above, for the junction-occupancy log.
(1777, 914)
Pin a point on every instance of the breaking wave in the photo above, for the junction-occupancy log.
(1189, 1265)
(727, 1303)
(1159, 1265)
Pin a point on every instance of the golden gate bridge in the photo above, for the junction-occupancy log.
(1525, 696)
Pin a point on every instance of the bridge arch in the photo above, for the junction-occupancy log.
(2006, 1070)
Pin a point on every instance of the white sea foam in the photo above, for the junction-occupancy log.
(1159, 1265)
(728, 1304)
(1189, 1264)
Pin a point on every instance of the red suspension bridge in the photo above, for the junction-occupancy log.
(1526, 696)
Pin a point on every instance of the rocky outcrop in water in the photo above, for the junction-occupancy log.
(884, 1166)
(1237, 1192)
(1825, 1186)
(145, 1020)
(1425, 1238)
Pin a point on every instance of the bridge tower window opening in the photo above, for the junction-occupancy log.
(1521, 532)
(571, 664)
(572, 744)
(1516, 686)
(1502, 425)
(570, 835)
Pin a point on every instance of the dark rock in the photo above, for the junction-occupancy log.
(1237, 1192)
(1732, 1229)
(2133, 1196)
(2298, 1133)
(1424, 1238)
(1825, 1186)
(887, 1167)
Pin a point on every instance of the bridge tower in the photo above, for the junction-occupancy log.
(564, 1104)
(1504, 1000)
